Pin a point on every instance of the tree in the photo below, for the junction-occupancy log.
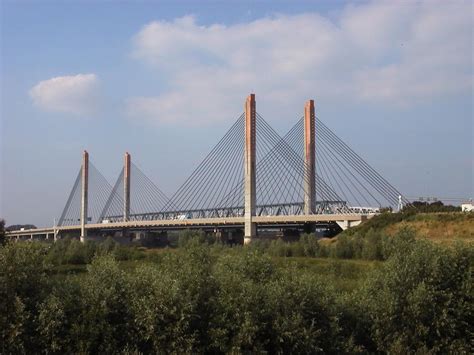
(23, 286)
(2, 232)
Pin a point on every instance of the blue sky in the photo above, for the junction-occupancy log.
(164, 80)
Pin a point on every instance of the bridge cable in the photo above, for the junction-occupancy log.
(185, 195)
(209, 179)
(380, 189)
(369, 170)
(70, 198)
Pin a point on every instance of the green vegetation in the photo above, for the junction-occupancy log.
(445, 227)
(2, 232)
(73, 252)
(434, 207)
(210, 298)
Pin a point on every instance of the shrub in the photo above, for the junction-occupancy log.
(79, 253)
(23, 284)
(215, 299)
(52, 324)
(192, 237)
(262, 309)
(106, 323)
(71, 251)
(421, 299)
(108, 246)
(310, 245)
(2, 232)
(373, 245)
(279, 248)
(173, 303)
(346, 247)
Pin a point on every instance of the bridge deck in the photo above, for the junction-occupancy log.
(197, 222)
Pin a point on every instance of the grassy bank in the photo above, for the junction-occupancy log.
(439, 227)
(447, 227)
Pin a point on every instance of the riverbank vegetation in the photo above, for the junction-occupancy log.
(440, 227)
(371, 293)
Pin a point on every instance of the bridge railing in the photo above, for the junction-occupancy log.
(282, 209)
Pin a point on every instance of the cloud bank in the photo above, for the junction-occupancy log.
(395, 53)
(75, 94)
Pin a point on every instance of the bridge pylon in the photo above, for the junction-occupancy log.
(309, 159)
(84, 194)
(126, 187)
(249, 169)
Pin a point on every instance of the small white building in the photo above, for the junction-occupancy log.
(467, 207)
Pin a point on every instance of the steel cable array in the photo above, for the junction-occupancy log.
(99, 192)
(347, 173)
(280, 172)
(145, 196)
(213, 177)
(217, 183)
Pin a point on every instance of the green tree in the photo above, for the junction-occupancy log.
(194, 237)
(23, 285)
(2, 232)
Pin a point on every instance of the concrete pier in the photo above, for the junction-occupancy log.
(250, 157)
(309, 158)
(126, 187)
(84, 194)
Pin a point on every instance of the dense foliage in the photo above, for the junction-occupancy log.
(212, 298)
(2, 231)
(72, 251)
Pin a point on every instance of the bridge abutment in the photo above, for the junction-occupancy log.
(250, 157)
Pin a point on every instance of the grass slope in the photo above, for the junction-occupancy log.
(437, 227)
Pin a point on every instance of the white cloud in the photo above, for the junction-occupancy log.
(383, 52)
(75, 94)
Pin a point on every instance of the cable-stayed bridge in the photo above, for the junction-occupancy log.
(252, 178)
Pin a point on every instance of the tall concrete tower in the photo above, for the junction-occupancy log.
(84, 193)
(309, 158)
(250, 157)
(126, 187)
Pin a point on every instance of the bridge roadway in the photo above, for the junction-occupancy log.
(344, 220)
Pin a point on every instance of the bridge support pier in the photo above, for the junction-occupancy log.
(126, 194)
(84, 194)
(309, 228)
(126, 234)
(126, 187)
(309, 158)
(249, 168)
(228, 236)
(218, 234)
